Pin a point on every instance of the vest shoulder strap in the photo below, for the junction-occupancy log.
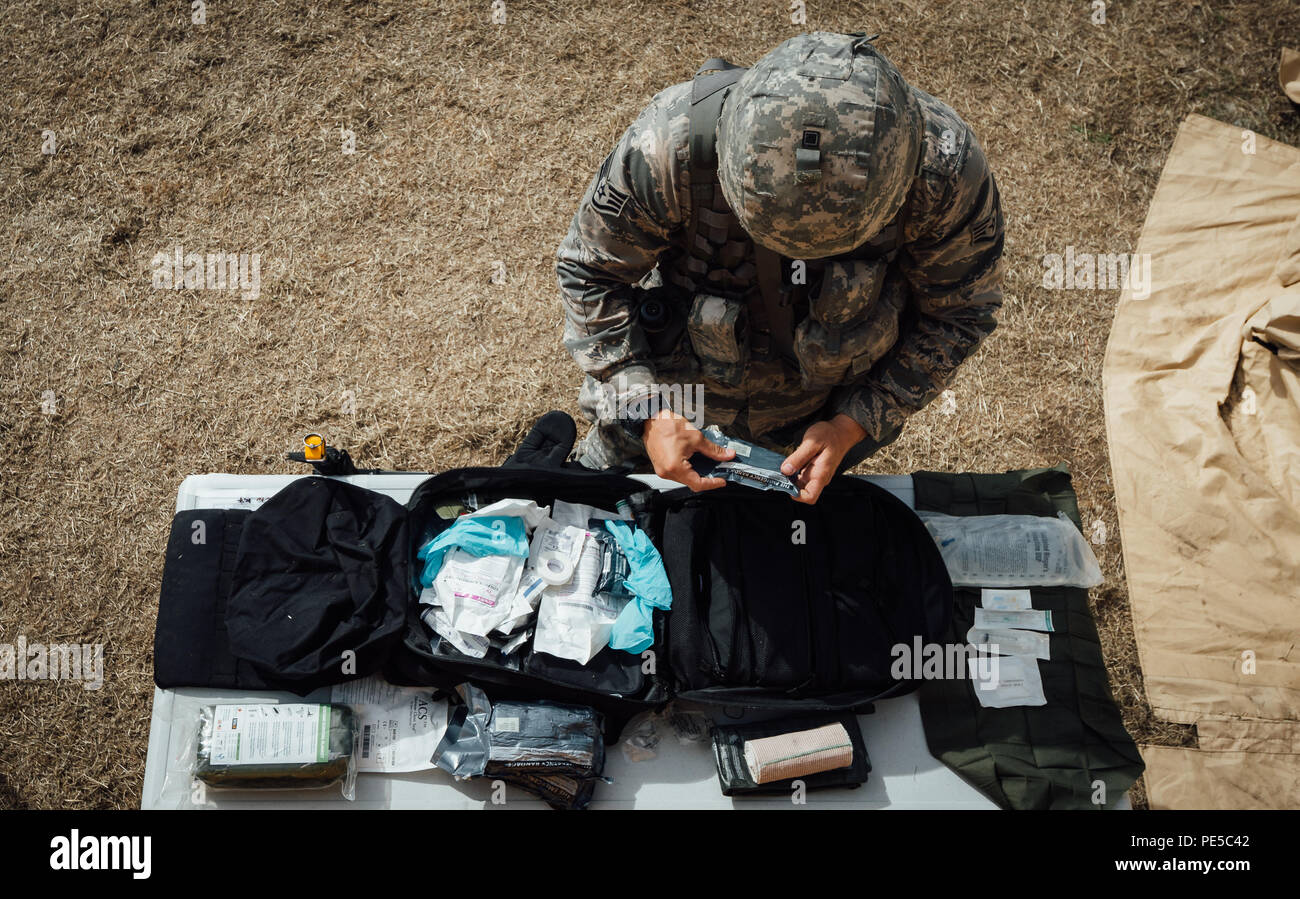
(772, 317)
(708, 90)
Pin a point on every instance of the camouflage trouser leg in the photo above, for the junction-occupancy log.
(607, 444)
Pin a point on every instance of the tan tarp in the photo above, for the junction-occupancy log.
(1288, 74)
(1202, 390)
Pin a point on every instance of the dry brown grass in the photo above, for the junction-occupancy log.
(474, 142)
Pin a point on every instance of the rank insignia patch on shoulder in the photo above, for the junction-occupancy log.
(987, 229)
(608, 199)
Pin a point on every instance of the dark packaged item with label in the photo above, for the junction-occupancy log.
(554, 751)
(753, 466)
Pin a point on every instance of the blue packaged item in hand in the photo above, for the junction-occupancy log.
(753, 465)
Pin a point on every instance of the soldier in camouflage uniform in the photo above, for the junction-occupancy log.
(872, 197)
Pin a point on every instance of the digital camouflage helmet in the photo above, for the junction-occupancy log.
(818, 144)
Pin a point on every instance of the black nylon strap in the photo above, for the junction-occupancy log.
(708, 91)
(707, 94)
(773, 317)
(777, 311)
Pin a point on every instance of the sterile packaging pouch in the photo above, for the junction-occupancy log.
(1005, 600)
(753, 466)
(270, 746)
(554, 751)
(436, 617)
(579, 514)
(524, 606)
(531, 513)
(1011, 642)
(398, 727)
(555, 550)
(1023, 619)
(573, 620)
(1013, 550)
(576, 625)
(1002, 682)
(477, 592)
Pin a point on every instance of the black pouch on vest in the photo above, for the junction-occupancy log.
(719, 334)
(735, 779)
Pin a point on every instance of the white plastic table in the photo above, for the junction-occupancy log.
(681, 775)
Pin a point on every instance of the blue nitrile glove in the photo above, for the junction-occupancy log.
(487, 535)
(648, 583)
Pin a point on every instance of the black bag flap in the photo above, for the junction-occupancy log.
(778, 604)
(191, 647)
(320, 579)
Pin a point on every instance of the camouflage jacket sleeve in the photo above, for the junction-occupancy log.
(952, 262)
(622, 226)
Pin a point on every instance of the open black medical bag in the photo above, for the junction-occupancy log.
(777, 606)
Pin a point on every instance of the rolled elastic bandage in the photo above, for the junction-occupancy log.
(798, 754)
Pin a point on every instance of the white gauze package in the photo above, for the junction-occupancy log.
(573, 621)
(526, 509)
(399, 727)
(578, 515)
(477, 592)
(554, 547)
(1003, 682)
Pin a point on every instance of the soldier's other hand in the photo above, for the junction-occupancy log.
(815, 461)
(670, 441)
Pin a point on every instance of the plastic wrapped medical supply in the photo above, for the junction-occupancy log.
(574, 620)
(474, 536)
(554, 751)
(473, 575)
(1013, 550)
(268, 746)
(753, 466)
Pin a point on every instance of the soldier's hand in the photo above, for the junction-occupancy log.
(670, 441)
(815, 461)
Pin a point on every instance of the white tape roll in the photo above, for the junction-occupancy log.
(554, 568)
